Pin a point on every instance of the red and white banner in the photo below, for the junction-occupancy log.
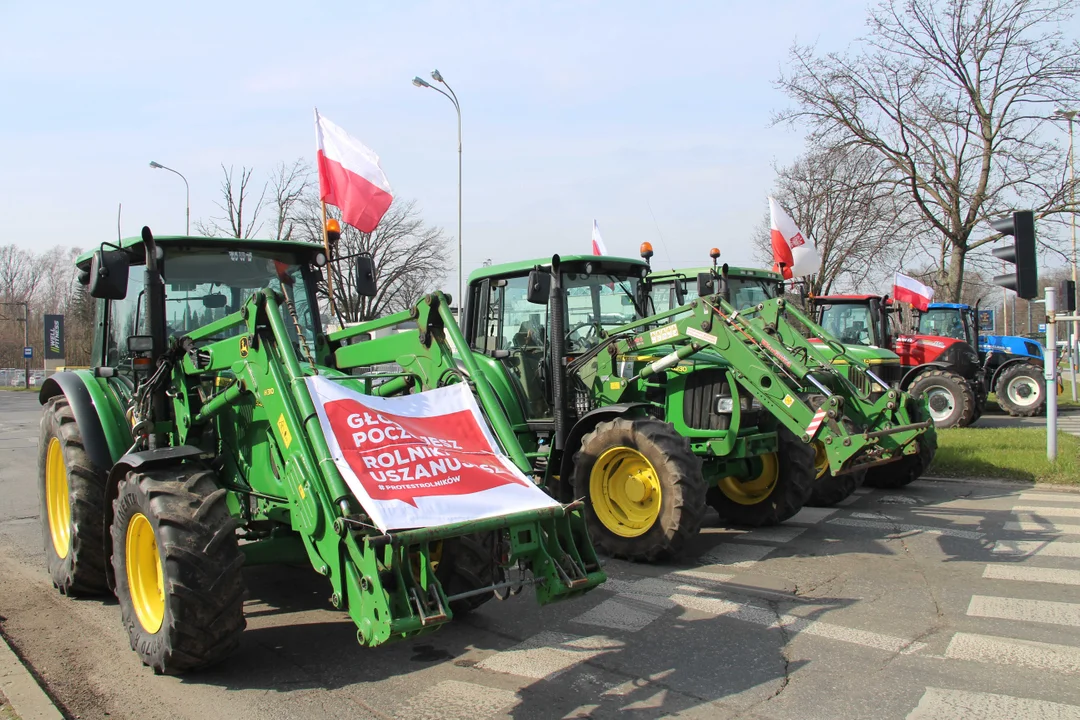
(350, 176)
(794, 254)
(598, 247)
(420, 460)
(910, 290)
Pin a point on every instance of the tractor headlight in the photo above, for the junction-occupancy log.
(725, 405)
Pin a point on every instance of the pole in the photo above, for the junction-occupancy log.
(1072, 201)
(26, 340)
(1049, 372)
(460, 272)
(329, 263)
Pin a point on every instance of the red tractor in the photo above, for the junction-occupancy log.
(944, 369)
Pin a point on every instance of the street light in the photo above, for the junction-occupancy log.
(452, 97)
(1069, 116)
(187, 193)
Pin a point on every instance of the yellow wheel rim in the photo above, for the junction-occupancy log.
(145, 581)
(753, 491)
(821, 460)
(624, 490)
(57, 499)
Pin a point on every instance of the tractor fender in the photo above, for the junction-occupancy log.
(914, 372)
(1009, 363)
(143, 460)
(585, 425)
(91, 408)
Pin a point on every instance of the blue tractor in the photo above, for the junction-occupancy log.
(1012, 366)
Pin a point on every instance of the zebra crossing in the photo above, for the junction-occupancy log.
(620, 651)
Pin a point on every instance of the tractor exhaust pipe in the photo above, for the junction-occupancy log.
(558, 356)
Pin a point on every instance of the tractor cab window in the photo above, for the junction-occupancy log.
(124, 318)
(595, 304)
(945, 322)
(745, 292)
(515, 333)
(850, 323)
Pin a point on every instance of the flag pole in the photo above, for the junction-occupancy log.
(329, 263)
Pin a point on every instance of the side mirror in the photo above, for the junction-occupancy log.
(365, 276)
(215, 300)
(705, 284)
(109, 274)
(539, 287)
(680, 292)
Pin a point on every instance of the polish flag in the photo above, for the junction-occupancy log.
(790, 247)
(910, 290)
(350, 176)
(598, 247)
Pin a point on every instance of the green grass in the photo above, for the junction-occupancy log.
(1007, 454)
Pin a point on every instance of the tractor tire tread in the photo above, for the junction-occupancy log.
(795, 484)
(959, 388)
(1003, 397)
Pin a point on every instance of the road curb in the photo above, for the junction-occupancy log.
(21, 689)
(1015, 484)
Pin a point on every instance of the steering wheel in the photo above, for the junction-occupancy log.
(584, 341)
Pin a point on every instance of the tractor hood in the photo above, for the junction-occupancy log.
(1010, 345)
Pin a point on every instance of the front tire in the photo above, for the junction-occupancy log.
(1021, 390)
(830, 489)
(949, 397)
(72, 494)
(909, 468)
(469, 563)
(643, 489)
(178, 568)
(779, 491)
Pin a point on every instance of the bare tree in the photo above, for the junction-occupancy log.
(289, 184)
(241, 219)
(843, 198)
(410, 258)
(951, 93)
(19, 274)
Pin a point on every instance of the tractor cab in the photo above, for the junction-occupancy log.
(862, 320)
(951, 320)
(746, 287)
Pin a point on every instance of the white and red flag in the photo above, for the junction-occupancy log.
(350, 176)
(598, 247)
(794, 254)
(420, 460)
(910, 290)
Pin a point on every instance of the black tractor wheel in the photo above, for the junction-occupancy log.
(178, 568)
(1021, 390)
(910, 467)
(780, 487)
(72, 495)
(467, 563)
(830, 489)
(643, 489)
(950, 398)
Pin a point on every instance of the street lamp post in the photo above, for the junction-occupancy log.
(452, 97)
(26, 334)
(1069, 116)
(187, 194)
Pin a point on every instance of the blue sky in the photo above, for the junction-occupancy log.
(571, 111)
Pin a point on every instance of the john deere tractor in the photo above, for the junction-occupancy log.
(193, 447)
(649, 416)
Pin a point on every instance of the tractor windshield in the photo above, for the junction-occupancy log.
(850, 323)
(745, 292)
(203, 285)
(596, 303)
(947, 322)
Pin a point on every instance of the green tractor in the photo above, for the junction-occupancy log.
(648, 417)
(193, 448)
(749, 287)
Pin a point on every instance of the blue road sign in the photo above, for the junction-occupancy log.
(28, 352)
(1042, 327)
(986, 321)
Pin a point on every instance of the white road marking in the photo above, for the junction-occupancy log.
(898, 528)
(624, 612)
(1025, 573)
(735, 555)
(897, 500)
(775, 534)
(457, 699)
(810, 516)
(768, 619)
(942, 704)
(1040, 510)
(1050, 497)
(1044, 526)
(547, 654)
(695, 574)
(863, 491)
(1046, 548)
(849, 500)
(1013, 651)
(1044, 611)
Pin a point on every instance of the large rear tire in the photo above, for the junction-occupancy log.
(1021, 390)
(72, 494)
(643, 489)
(178, 568)
(950, 398)
(776, 494)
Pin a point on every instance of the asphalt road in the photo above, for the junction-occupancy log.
(945, 600)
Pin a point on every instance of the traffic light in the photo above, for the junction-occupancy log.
(1067, 295)
(1025, 279)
